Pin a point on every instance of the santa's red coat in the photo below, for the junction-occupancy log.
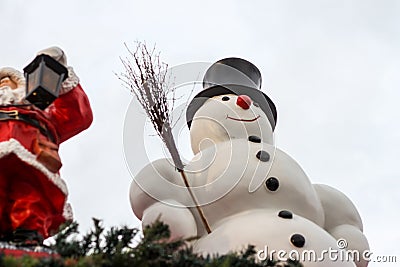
(31, 196)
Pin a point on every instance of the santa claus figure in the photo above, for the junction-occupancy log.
(32, 195)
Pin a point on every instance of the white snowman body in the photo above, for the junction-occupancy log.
(250, 192)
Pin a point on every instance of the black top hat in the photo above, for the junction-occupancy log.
(232, 76)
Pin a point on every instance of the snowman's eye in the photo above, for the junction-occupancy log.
(225, 98)
(256, 104)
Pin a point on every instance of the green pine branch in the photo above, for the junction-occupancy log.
(117, 247)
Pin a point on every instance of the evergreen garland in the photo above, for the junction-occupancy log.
(116, 247)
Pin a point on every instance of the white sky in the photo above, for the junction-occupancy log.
(331, 68)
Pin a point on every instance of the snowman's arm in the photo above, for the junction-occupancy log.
(152, 184)
(338, 208)
(152, 197)
(342, 219)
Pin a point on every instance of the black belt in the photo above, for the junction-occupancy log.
(15, 115)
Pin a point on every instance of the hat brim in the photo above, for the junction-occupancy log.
(256, 95)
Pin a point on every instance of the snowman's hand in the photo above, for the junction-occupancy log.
(343, 221)
(180, 220)
(351, 238)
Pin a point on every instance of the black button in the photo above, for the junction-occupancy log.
(225, 98)
(272, 184)
(285, 214)
(298, 240)
(263, 155)
(254, 139)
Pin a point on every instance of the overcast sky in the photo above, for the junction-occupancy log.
(331, 67)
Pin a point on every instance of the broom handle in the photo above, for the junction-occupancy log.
(199, 209)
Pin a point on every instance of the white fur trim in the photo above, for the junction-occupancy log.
(15, 75)
(70, 83)
(13, 146)
(67, 213)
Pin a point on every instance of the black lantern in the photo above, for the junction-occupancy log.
(44, 76)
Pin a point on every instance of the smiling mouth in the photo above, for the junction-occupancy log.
(244, 120)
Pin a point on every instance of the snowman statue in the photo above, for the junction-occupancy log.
(250, 192)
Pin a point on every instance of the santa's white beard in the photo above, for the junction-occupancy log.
(10, 96)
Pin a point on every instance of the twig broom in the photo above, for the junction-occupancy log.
(146, 77)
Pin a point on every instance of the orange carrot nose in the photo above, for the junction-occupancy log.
(243, 101)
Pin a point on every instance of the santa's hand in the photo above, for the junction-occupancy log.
(58, 54)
